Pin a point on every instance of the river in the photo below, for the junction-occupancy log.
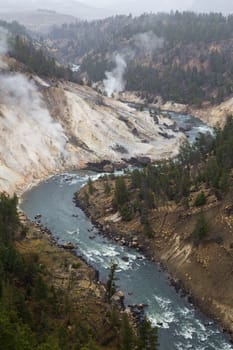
(181, 326)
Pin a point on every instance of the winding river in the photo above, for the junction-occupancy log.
(181, 326)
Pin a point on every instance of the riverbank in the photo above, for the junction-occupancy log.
(210, 114)
(203, 270)
(70, 276)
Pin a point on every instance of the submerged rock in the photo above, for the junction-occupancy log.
(125, 258)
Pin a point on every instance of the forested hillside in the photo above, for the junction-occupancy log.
(184, 57)
(36, 60)
(30, 52)
(34, 314)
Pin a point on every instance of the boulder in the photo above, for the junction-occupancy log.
(118, 299)
(68, 246)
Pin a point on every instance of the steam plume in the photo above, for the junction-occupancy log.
(114, 81)
(142, 44)
(17, 92)
(148, 41)
(24, 113)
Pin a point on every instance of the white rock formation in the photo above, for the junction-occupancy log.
(48, 129)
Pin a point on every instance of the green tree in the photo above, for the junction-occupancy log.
(121, 192)
(15, 335)
(147, 336)
(111, 282)
(9, 221)
(127, 336)
(125, 212)
(201, 228)
(136, 178)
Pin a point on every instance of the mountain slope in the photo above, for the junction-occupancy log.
(183, 57)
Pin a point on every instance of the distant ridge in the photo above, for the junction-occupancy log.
(40, 20)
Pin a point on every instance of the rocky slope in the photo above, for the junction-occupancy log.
(204, 269)
(49, 126)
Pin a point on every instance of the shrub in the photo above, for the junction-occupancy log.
(200, 200)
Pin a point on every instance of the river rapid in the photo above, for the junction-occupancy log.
(181, 326)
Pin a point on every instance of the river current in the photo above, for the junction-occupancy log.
(181, 326)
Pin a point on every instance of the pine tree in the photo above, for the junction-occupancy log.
(111, 282)
(201, 228)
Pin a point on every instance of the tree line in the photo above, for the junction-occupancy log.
(23, 49)
(176, 27)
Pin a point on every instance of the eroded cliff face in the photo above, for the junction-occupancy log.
(48, 127)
